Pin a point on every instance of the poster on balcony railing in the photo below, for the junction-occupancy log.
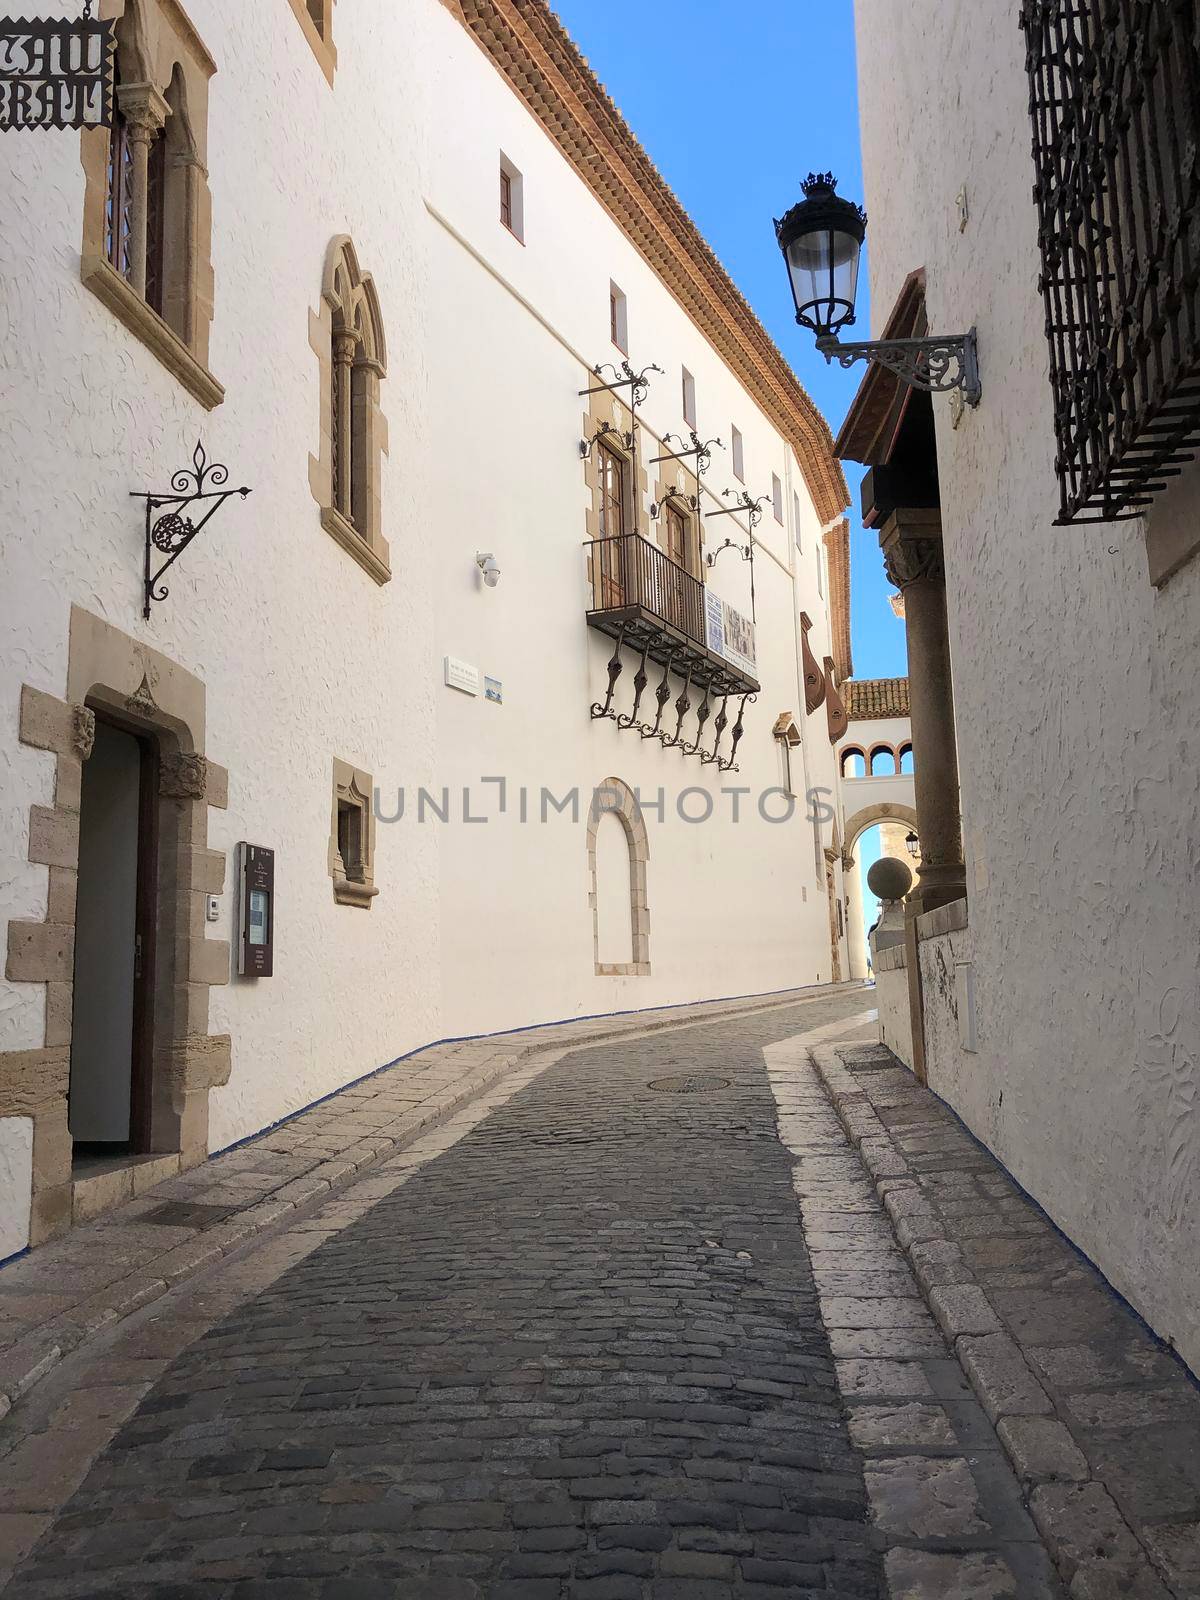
(730, 634)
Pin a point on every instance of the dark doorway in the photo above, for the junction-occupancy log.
(112, 1024)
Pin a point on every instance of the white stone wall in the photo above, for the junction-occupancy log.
(304, 658)
(1077, 697)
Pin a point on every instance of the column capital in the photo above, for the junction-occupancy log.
(345, 346)
(144, 109)
(911, 542)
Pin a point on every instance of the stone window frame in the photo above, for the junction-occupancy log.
(353, 882)
(622, 803)
(165, 70)
(678, 487)
(108, 671)
(316, 23)
(346, 333)
(607, 410)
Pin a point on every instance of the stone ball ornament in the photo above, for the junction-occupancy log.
(889, 879)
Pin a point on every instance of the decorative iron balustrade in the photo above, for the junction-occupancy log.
(1115, 104)
(651, 606)
(630, 571)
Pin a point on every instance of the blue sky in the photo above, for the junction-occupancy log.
(735, 104)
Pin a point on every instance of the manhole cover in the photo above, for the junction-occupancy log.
(184, 1214)
(688, 1083)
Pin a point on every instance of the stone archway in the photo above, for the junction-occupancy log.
(869, 817)
(885, 811)
(121, 678)
(614, 797)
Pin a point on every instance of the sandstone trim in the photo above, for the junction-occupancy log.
(108, 671)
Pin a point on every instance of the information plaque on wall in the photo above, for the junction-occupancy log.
(256, 936)
(56, 73)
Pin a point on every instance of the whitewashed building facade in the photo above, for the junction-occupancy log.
(371, 256)
(1061, 1015)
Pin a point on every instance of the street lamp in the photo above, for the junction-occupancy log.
(912, 844)
(821, 238)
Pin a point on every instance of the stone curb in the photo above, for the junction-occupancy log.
(1097, 1552)
(33, 1353)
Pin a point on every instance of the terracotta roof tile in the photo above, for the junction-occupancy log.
(869, 698)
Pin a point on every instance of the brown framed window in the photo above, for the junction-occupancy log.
(689, 398)
(618, 318)
(612, 493)
(612, 525)
(506, 208)
(677, 535)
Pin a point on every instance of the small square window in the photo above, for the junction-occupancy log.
(352, 840)
(796, 519)
(777, 498)
(689, 398)
(512, 198)
(739, 457)
(618, 318)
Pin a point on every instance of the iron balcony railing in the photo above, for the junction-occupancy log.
(629, 571)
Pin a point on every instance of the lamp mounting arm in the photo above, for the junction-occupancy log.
(936, 365)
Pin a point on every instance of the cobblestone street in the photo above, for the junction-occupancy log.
(569, 1345)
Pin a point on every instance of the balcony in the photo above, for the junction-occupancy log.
(644, 599)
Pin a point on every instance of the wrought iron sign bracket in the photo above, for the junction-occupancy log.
(171, 533)
(935, 365)
(624, 377)
(702, 450)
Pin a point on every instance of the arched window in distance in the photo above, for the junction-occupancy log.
(906, 759)
(618, 851)
(854, 764)
(883, 761)
(347, 335)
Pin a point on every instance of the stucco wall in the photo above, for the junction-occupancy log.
(1076, 691)
(892, 1003)
(304, 658)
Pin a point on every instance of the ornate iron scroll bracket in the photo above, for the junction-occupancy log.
(605, 430)
(629, 719)
(661, 695)
(657, 507)
(614, 672)
(936, 365)
(624, 377)
(738, 730)
(701, 450)
(172, 532)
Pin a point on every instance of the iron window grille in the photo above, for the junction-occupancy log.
(1115, 105)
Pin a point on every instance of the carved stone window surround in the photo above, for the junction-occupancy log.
(165, 71)
(346, 334)
(316, 23)
(353, 878)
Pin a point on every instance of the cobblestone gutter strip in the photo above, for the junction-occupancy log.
(55, 1298)
(945, 1506)
(1100, 1422)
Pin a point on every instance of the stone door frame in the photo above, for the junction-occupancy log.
(152, 696)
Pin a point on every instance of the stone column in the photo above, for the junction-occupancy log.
(146, 112)
(345, 350)
(911, 541)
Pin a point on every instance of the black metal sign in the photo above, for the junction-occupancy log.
(56, 74)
